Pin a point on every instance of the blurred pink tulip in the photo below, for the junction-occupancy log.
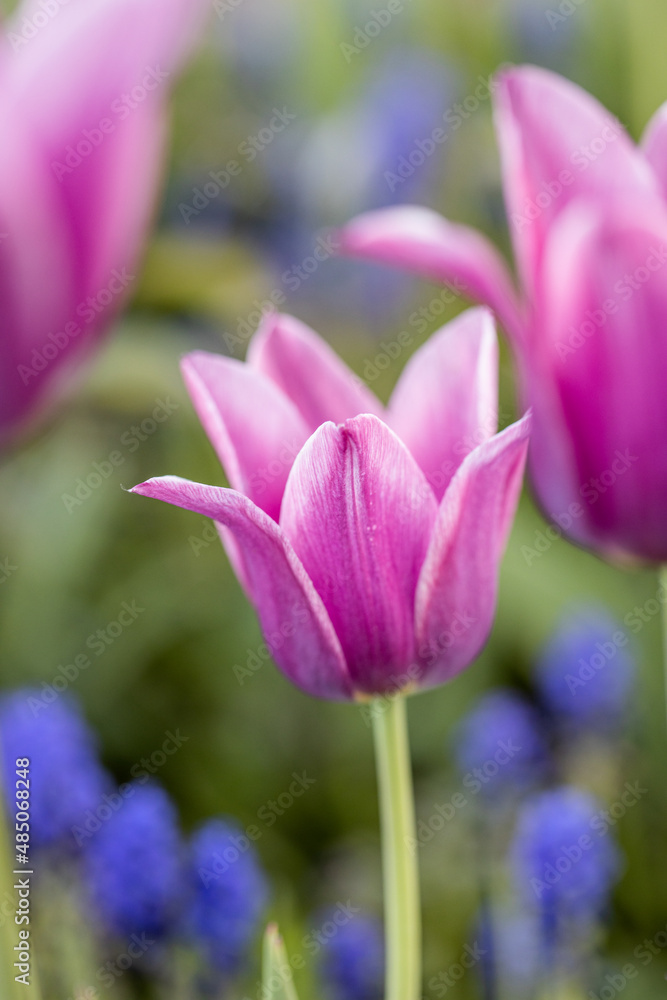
(368, 539)
(589, 227)
(83, 93)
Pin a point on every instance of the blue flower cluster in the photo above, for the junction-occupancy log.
(584, 682)
(564, 861)
(352, 963)
(66, 778)
(586, 671)
(140, 877)
(227, 893)
(134, 864)
(502, 739)
(564, 864)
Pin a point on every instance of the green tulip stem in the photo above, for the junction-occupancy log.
(399, 849)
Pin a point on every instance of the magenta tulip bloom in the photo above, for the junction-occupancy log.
(368, 539)
(83, 91)
(589, 227)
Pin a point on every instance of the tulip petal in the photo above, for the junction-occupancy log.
(446, 401)
(456, 594)
(422, 241)
(91, 86)
(95, 56)
(305, 648)
(654, 146)
(597, 379)
(359, 512)
(255, 430)
(33, 255)
(309, 372)
(558, 143)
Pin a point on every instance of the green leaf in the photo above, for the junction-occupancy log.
(276, 970)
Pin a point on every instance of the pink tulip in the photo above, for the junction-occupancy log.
(368, 539)
(83, 92)
(589, 227)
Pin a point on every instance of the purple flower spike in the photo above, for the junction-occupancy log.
(586, 670)
(227, 895)
(134, 864)
(501, 743)
(565, 860)
(66, 778)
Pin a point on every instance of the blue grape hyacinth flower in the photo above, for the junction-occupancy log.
(565, 863)
(586, 671)
(500, 743)
(352, 959)
(227, 895)
(134, 864)
(66, 777)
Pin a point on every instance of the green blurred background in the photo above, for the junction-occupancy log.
(74, 564)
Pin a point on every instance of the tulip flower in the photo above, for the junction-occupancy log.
(589, 230)
(83, 92)
(368, 538)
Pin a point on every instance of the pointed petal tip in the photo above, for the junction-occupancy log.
(428, 244)
(459, 579)
(359, 513)
(378, 223)
(192, 361)
(514, 433)
(307, 370)
(269, 325)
